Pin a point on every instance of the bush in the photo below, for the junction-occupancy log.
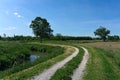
(14, 57)
(11, 53)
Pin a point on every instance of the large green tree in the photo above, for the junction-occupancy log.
(102, 32)
(41, 28)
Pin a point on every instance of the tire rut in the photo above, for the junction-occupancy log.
(46, 75)
(78, 73)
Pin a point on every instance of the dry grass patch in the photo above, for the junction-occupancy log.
(106, 45)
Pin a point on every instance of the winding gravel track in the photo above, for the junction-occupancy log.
(46, 75)
(78, 73)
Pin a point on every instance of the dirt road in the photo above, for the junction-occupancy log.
(46, 75)
(78, 73)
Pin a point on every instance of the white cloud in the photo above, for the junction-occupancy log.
(17, 14)
(10, 28)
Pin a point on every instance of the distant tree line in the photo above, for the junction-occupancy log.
(18, 37)
(63, 38)
(114, 38)
(56, 37)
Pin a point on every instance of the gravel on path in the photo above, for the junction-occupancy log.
(78, 73)
(46, 75)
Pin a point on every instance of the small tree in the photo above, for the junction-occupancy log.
(41, 28)
(102, 32)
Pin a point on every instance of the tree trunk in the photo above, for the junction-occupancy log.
(104, 40)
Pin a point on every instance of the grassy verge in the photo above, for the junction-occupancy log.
(98, 67)
(30, 72)
(65, 72)
(113, 58)
(45, 52)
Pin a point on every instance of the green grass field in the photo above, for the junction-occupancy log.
(99, 67)
(103, 63)
(12, 52)
(52, 55)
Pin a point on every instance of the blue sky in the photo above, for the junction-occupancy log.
(68, 17)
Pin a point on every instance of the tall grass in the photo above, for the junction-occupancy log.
(114, 59)
(114, 56)
(12, 54)
(99, 67)
(37, 69)
(45, 52)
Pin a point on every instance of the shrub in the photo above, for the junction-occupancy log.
(15, 57)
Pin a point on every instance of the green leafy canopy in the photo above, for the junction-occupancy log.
(41, 28)
(102, 32)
